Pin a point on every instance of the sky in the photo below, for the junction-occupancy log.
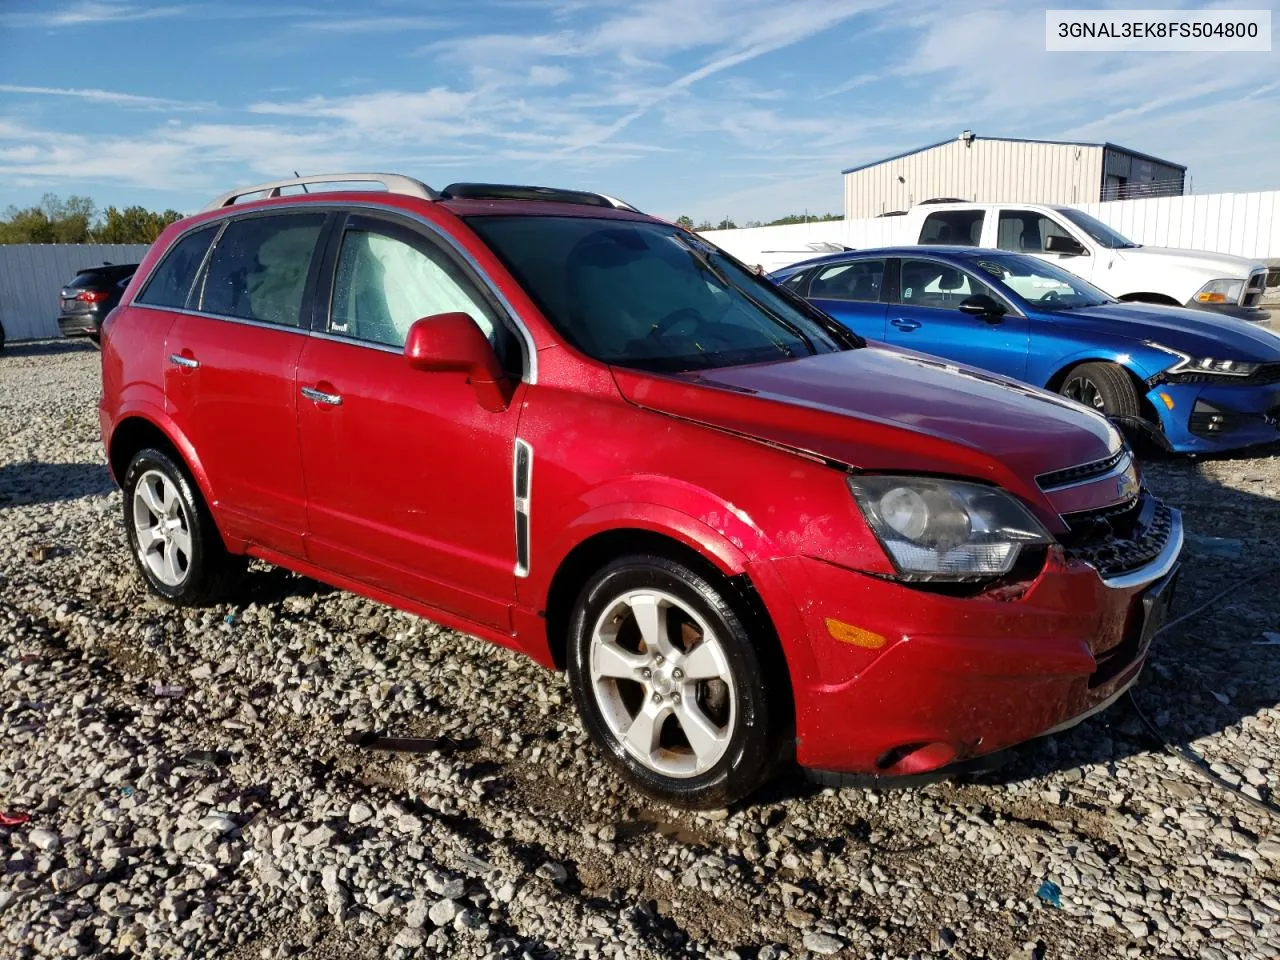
(746, 109)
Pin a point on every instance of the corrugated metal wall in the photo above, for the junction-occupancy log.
(980, 170)
(31, 274)
(1244, 224)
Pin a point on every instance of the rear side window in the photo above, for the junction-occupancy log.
(259, 268)
(860, 280)
(1025, 232)
(961, 227)
(171, 282)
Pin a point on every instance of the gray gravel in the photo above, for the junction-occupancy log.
(234, 819)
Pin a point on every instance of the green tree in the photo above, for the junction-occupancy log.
(75, 220)
(133, 225)
(684, 221)
(803, 218)
(704, 225)
(726, 224)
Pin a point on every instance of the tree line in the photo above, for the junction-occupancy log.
(77, 220)
(728, 224)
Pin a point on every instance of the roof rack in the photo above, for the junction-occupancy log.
(511, 191)
(391, 182)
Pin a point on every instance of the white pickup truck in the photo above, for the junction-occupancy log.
(1090, 249)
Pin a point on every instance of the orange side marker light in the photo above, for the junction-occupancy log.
(848, 633)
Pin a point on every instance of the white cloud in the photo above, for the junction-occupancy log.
(103, 96)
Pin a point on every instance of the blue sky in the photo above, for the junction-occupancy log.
(744, 108)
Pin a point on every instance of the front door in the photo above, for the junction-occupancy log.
(926, 317)
(229, 374)
(409, 478)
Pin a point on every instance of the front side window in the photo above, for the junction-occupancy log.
(1023, 231)
(931, 283)
(1043, 284)
(170, 284)
(1103, 235)
(962, 227)
(860, 281)
(652, 296)
(259, 268)
(384, 284)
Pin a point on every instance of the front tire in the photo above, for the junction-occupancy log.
(670, 684)
(174, 542)
(1105, 387)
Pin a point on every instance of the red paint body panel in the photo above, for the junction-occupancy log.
(404, 492)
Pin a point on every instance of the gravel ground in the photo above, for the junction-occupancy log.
(235, 819)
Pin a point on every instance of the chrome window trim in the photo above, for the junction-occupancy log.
(357, 342)
(219, 316)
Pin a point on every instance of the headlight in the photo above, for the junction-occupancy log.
(1205, 365)
(1220, 291)
(946, 529)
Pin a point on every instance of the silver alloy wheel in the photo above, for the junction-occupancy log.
(663, 683)
(162, 527)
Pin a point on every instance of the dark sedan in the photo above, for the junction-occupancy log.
(87, 299)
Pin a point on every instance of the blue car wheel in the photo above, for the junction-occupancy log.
(1105, 387)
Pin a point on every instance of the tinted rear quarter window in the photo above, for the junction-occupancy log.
(259, 268)
(171, 282)
(962, 227)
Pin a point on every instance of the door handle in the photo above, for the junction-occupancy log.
(902, 323)
(319, 396)
(177, 359)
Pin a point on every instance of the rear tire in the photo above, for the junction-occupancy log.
(670, 684)
(175, 544)
(1105, 387)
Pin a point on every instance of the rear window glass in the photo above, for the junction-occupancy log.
(258, 270)
(962, 227)
(171, 282)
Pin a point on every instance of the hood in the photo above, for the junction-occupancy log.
(1195, 332)
(1221, 265)
(881, 409)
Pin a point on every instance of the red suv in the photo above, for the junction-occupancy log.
(547, 419)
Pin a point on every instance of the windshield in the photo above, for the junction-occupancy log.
(1101, 233)
(653, 296)
(1040, 283)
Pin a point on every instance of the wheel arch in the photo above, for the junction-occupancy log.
(137, 429)
(1146, 296)
(1059, 377)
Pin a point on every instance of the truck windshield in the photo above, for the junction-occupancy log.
(1041, 284)
(1103, 235)
(652, 296)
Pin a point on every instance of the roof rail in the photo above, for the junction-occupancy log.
(391, 182)
(511, 191)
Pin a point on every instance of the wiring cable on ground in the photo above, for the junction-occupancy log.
(1185, 753)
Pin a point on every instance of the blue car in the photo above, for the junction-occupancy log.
(1195, 383)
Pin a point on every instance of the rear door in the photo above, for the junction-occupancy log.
(925, 316)
(409, 479)
(853, 291)
(231, 360)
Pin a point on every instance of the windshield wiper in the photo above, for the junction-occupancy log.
(703, 260)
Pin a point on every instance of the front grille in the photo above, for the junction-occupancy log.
(1120, 539)
(1254, 289)
(1080, 473)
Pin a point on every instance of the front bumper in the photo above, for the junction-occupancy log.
(1216, 417)
(1252, 314)
(957, 677)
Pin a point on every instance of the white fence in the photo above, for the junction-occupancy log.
(1244, 224)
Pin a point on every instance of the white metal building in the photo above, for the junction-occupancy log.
(996, 169)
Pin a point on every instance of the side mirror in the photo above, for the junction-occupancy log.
(452, 343)
(1068, 246)
(984, 306)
